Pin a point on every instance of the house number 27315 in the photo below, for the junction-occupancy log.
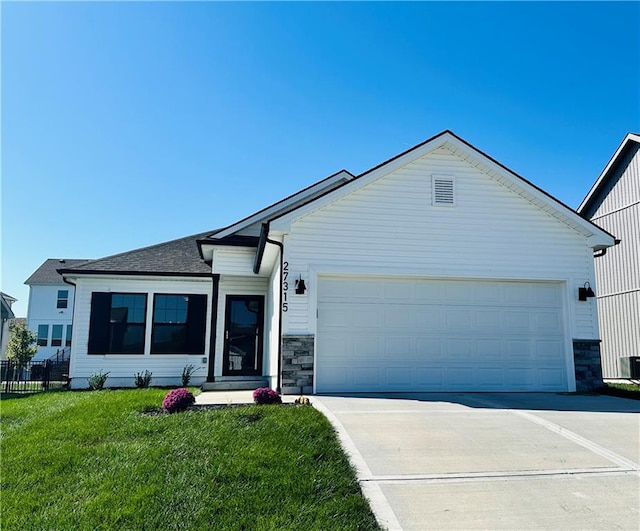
(285, 286)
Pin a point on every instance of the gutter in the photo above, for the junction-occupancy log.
(602, 252)
(262, 243)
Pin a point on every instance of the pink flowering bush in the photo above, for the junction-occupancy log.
(264, 395)
(178, 400)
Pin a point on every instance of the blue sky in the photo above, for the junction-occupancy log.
(129, 124)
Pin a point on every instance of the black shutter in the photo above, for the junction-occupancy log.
(196, 323)
(99, 325)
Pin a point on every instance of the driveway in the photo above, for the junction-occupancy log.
(494, 460)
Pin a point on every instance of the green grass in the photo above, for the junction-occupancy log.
(90, 460)
(623, 390)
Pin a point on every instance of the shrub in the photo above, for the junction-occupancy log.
(186, 374)
(143, 380)
(265, 395)
(97, 379)
(178, 400)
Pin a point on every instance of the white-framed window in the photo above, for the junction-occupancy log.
(63, 298)
(56, 335)
(43, 335)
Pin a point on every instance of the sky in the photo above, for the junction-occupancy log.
(128, 124)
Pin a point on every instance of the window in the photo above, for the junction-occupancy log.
(43, 335)
(56, 336)
(179, 324)
(63, 298)
(68, 338)
(117, 323)
(443, 190)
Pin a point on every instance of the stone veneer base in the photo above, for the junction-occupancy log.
(297, 364)
(588, 364)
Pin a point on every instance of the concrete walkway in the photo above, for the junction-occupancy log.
(233, 397)
(494, 461)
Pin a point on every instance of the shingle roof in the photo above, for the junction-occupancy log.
(175, 257)
(47, 273)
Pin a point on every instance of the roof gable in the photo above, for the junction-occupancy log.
(598, 191)
(481, 161)
(286, 204)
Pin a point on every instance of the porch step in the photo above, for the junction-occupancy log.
(235, 385)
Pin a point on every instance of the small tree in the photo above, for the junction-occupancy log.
(22, 345)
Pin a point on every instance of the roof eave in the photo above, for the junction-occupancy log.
(607, 171)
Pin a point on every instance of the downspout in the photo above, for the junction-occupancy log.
(264, 239)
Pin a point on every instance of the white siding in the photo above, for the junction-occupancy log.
(618, 271)
(390, 227)
(42, 310)
(234, 261)
(230, 285)
(166, 368)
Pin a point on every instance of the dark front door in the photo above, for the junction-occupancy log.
(244, 317)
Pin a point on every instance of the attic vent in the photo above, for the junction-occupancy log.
(443, 192)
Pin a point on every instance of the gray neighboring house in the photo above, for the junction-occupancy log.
(7, 315)
(613, 203)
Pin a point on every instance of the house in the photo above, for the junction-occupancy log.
(614, 204)
(6, 315)
(437, 270)
(50, 307)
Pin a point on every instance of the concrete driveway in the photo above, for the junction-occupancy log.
(494, 461)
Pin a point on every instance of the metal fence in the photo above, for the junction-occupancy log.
(34, 376)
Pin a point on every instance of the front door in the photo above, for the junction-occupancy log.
(244, 316)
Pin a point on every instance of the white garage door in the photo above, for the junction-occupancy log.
(385, 334)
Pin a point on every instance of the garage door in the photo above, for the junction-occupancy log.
(385, 334)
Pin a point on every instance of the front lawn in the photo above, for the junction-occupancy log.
(91, 460)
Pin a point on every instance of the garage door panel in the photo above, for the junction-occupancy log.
(428, 348)
(367, 346)
(489, 349)
(549, 349)
(520, 378)
(459, 319)
(549, 378)
(518, 321)
(410, 334)
(399, 316)
(489, 377)
(547, 322)
(519, 348)
(432, 378)
(367, 377)
(399, 376)
(400, 347)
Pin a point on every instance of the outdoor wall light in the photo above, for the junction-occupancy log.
(300, 286)
(585, 292)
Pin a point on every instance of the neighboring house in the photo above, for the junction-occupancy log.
(614, 204)
(6, 315)
(438, 270)
(50, 310)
